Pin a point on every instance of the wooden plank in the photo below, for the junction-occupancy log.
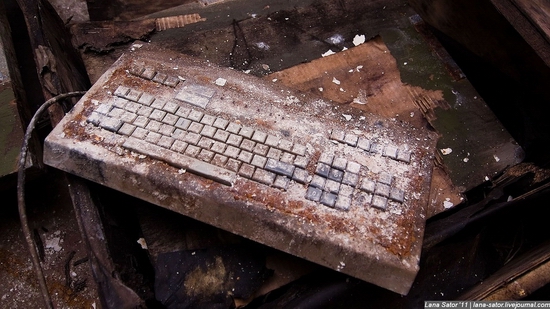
(519, 278)
(530, 19)
(538, 12)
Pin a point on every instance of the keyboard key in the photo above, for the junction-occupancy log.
(259, 161)
(368, 185)
(343, 203)
(192, 150)
(385, 178)
(281, 182)
(263, 176)
(221, 123)
(390, 151)
(397, 195)
(318, 182)
(234, 140)
(279, 167)
(332, 186)
(350, 179)
(379, 202)
(313, 194)
(300, 175)
(340, 163)
(195, 115)
(322, 170)
(328, 199)
(246, 170)
(274, 153)
(245, 156)
(110, 124)
(259, 136)
(326, 158)
(382, 190)
(298, 149)
(247, 145)
(219, 160)
(351, 139)
(336, 175)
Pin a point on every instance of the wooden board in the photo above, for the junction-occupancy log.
(369, 78)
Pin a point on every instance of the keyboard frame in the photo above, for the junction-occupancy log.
(378, 246)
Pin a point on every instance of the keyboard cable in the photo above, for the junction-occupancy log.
(21, 193)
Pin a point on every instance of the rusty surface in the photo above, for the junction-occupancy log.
(382, 247)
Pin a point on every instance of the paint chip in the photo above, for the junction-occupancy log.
(359, 39)
(328, 53)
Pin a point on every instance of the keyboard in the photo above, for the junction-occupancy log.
(325, 182)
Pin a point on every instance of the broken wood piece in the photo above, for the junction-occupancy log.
(516, 280)
(172, 22)
(530, 19)
(105, 35)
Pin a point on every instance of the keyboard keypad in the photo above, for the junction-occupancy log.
(249, 153)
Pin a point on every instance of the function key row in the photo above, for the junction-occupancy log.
(389, 151)
(153, 75)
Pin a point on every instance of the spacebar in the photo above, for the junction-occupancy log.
(179, 160)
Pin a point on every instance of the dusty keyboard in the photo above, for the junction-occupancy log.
(324, 182)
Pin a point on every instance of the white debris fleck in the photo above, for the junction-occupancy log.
(53, 243)
(247, 71)
(321, 89)
(447, 203)
(334, 80)
(336, 39)
(137, 45)
(291, 100)
(359, 39)
(358, 101)
(358, 68)
(221, 81)
(262, 45)
(347, 117)
(344, 49)
(142, 243)
(412, 114)
(446, 151)
(340, 266)
(486, 178)
(181, 78)
(496, 158)
(342, 89)
(181, 171)
(274, 80)
(405, 63)
(466, 160)
(328, 53)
